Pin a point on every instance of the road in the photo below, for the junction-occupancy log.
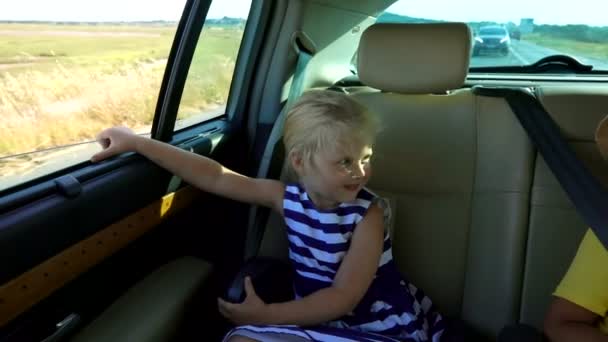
(523, 53)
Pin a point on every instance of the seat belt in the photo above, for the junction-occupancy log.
(588, 195)
(271, 165)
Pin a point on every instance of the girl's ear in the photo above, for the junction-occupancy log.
(297, 161)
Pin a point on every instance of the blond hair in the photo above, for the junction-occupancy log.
(321, 119)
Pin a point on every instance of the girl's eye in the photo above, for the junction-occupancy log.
(345, 162)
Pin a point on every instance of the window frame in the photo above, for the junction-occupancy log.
(245, 64)
(176, 71)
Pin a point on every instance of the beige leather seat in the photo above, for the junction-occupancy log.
(555, 227)
(457, 169)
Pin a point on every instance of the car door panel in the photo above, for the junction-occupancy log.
(58, 235)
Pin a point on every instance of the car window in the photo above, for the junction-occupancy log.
(534, 29)
(69, 68)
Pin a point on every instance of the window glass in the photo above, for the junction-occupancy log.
(492, 31)
(518, 32)
(70, 68)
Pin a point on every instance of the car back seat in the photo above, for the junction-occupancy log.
(456, 168)
(556, 229)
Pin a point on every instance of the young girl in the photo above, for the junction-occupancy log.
(346, 283)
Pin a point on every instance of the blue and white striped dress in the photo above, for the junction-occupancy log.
(392, 309)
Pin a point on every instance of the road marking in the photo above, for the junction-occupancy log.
(518, 56)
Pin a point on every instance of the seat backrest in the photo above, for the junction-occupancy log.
(555, 228)
(455, 167)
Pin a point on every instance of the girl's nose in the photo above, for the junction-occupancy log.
(359, 170)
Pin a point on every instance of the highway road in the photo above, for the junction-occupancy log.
(524, 53)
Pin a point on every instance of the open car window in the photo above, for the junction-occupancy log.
(517, 32)
(70, 68)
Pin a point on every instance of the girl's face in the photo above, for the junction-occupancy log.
(333, 176)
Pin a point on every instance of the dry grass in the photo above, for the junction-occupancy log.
(46, 109)
(72, 94)
(65, 85)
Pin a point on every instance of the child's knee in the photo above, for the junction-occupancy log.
(239, 338)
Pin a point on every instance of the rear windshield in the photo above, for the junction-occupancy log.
(537, 29)
(491, 31)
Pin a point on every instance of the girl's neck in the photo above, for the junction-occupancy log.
(320, 202)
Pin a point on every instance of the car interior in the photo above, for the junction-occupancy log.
(122, 250)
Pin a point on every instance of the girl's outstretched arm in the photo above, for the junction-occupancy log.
(199, 171)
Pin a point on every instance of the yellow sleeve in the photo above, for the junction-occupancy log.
(586, 282)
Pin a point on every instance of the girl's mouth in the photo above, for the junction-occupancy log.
(352, 187)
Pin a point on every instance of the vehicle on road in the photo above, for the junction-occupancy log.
(515, 34)
(492, 39)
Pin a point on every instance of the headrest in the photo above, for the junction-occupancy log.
(414, 58)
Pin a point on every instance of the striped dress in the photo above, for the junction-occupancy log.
(391, 310)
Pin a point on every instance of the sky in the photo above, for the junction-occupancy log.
(552, 12)
(113, 10)
(559, 12)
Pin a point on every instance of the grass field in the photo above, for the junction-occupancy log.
(570, 46)
(61, 84)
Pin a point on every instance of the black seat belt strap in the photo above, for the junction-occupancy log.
(272, 161)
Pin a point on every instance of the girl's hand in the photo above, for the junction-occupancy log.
(115, 140)
(252, 311)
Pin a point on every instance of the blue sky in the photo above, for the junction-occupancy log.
(591, 12)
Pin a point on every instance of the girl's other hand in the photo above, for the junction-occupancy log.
(252, 311)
